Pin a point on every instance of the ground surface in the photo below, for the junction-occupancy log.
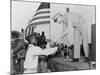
(60, 65)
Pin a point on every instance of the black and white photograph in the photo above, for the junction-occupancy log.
(52, 37)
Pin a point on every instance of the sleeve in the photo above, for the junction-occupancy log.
(49, 51)
(36, 51)
(19, 46)
(39, 51)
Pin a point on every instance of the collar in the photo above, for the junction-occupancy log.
(30, 45)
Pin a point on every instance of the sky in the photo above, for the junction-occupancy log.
(23, 11)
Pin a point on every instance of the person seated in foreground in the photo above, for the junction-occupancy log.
(18, 46)
(31, 59)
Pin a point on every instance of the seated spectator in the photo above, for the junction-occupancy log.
(17, 45)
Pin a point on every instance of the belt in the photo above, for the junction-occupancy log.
(31, 69)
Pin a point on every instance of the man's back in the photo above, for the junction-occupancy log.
(31, 60)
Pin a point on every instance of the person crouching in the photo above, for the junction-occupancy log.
(33, 52)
